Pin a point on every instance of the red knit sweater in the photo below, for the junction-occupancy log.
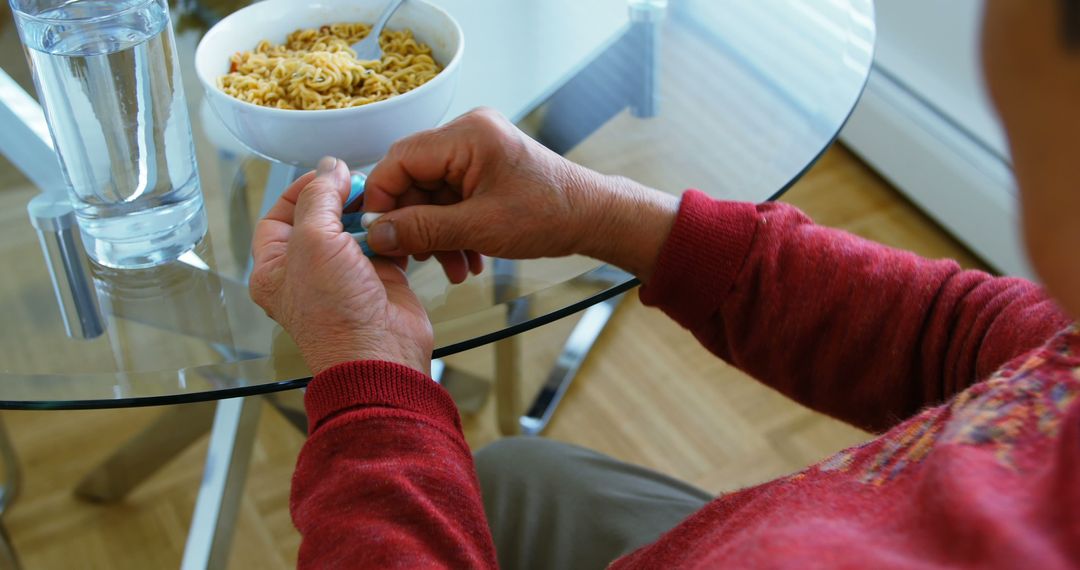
(987, 474)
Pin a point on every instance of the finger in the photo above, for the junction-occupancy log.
(422, 256)
(454, 265)
(423, 160)
(423, 229)
(414, 198)
(445, 197)
(389, 271)
(319, 203)
(276, 227)
(476, 262)
(396, 174)
(283, 209)
(430, 186)
(269, 240)
(396, 283)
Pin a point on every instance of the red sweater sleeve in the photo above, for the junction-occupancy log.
(386, 479)
(857, 330)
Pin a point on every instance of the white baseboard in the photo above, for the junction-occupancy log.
(964, 185)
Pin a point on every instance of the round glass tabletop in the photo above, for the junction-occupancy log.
(626, 88)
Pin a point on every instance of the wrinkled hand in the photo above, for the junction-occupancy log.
(478, 184)
(314, 280)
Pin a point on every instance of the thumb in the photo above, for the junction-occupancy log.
(423, 229)
(320, 203)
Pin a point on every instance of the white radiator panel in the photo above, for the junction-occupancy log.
(961, 183)
(927, 124)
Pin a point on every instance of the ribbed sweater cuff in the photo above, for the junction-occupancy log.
(375, 383)
(703, 254)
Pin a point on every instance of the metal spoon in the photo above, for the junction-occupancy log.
(368, 49)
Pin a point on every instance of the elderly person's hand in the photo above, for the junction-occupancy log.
(314, 280)
(479, 184)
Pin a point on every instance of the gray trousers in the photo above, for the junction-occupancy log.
(553, 505)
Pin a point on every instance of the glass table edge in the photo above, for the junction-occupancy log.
(832, 141)
(292, 384)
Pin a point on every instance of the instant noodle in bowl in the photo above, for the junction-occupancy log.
(318, 69)
(282, 78)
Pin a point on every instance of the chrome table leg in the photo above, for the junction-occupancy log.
(507, 351)
(507, 385)
(236, 422)
(648, 20)
(625, 76)
(574, 352)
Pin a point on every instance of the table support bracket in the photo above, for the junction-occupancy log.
(573, 355)
(236, 423)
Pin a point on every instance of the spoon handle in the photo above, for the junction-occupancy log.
(385, 17)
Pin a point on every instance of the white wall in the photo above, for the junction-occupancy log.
(932, 46)
(927, 125)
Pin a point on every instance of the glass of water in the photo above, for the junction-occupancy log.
(107, 75)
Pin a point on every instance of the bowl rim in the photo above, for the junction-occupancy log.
(211, 85)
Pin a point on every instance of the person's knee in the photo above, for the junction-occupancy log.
(522, 458)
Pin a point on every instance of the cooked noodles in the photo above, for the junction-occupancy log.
(316, 69)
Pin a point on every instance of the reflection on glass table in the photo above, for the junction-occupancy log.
(150, 367)
(763, 100)
(765, 85)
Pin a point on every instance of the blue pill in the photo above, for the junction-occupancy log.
(356, 190)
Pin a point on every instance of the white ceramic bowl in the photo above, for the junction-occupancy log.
(360, 135)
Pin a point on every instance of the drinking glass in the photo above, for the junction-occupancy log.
(107, 75)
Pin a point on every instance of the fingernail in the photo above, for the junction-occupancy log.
(383, 237)
(367, 219)
(326, 166)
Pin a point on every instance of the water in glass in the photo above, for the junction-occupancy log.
(107, 75)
